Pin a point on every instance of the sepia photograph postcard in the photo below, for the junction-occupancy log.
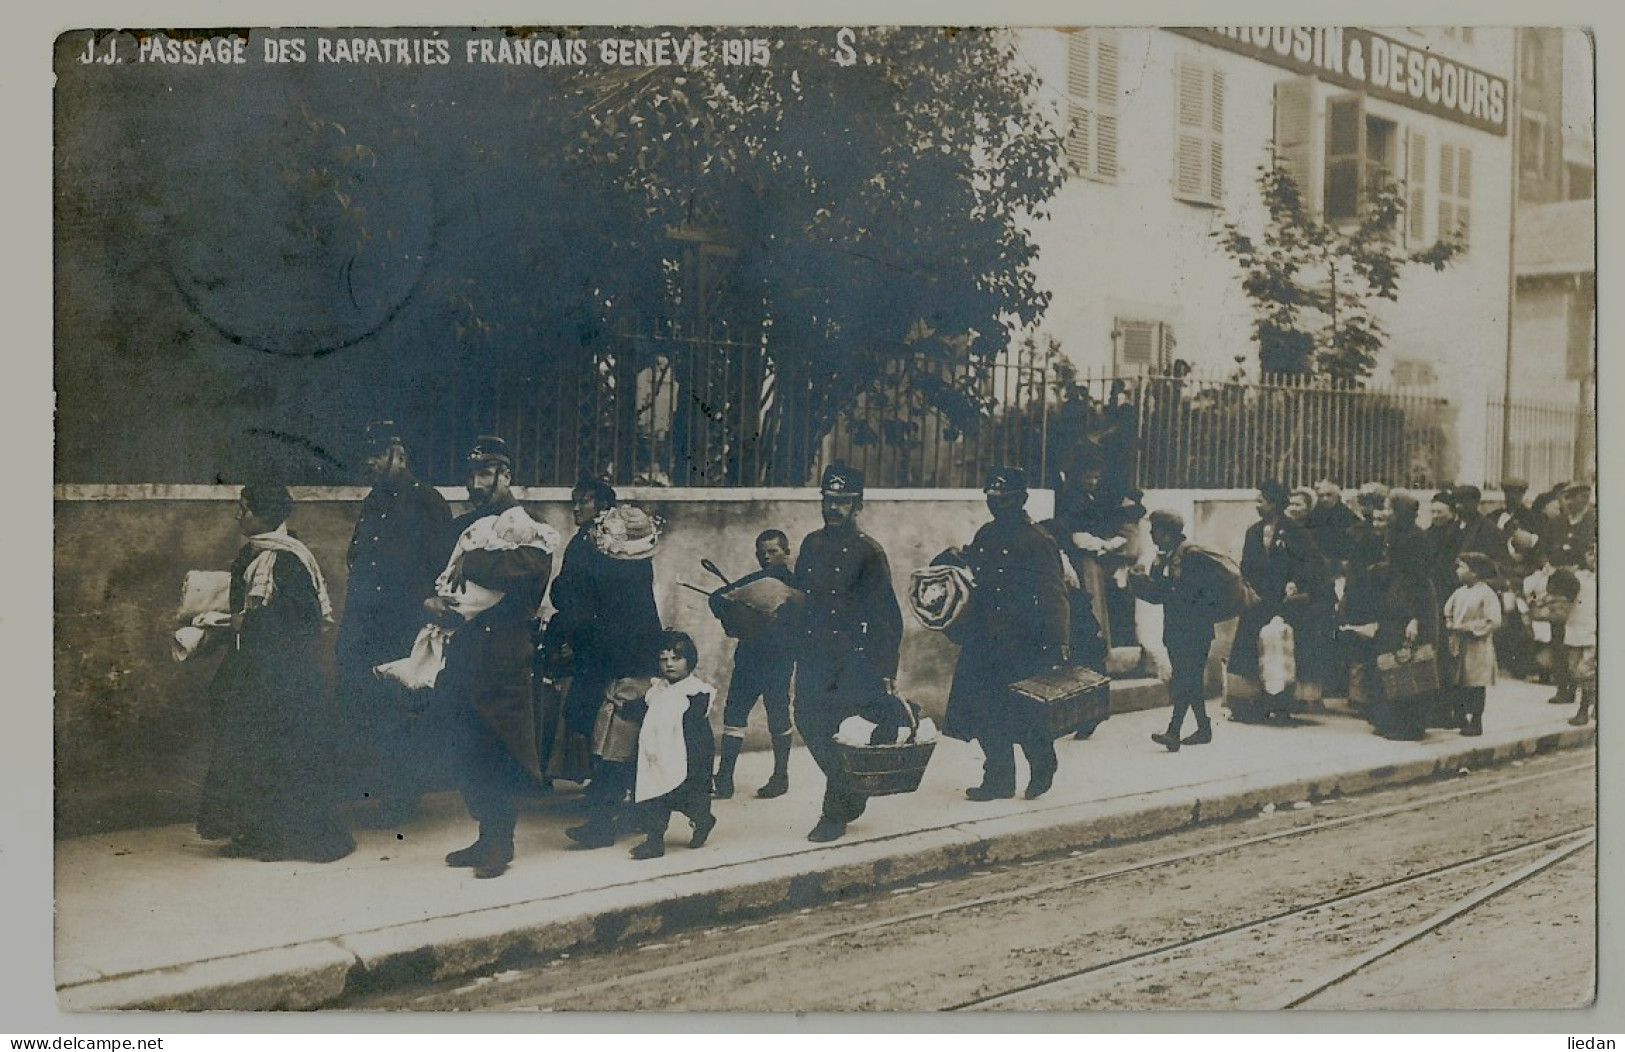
(812, 519)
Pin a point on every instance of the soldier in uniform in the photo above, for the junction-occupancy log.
(484, 690)
(395, 553)
(850, 633)
(1017, 624)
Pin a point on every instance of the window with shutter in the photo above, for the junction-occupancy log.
(1143, 345)
(1294, 135)
(1455, 193)
(1416, 188)
(1345, 156)
(1092, 98)
(1199, 134)
(1414, 372)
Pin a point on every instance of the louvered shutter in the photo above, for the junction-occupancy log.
(1137, 348)
(1294, 135)
(1215, 144)
(1447, 192)
(1190, 163)
(1106, 100)
(1464, 194)
(1165, 346)
(1455, 193)
(1416, 187)
(1345, 156)
(1078, 90)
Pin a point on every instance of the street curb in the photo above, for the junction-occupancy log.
(318, 974)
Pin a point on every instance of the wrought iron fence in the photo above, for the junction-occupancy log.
(658, 405)
(1224, 433)
(1551, 442)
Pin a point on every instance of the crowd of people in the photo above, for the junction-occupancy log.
(445, 674)
(1410, 622)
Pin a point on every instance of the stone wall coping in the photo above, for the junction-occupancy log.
(77, 492)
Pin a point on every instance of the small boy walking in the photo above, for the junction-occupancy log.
(763, 662)
(1471, 616)
(675, 749)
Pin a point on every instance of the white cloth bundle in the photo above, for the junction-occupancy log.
(506, 532)
(205, 604)
(1277, 660)
(855, 730)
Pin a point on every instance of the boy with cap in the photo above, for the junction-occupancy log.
(1017, 624)
(851, 629)
(1192, 585)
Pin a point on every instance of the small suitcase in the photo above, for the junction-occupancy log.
(1064, 699)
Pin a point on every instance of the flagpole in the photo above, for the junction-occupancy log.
(1514, 119)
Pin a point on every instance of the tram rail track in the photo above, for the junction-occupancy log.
(580, 993)
(1572, 840)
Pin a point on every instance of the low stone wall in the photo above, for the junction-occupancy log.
(131, 725)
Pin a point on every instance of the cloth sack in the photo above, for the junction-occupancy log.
(938, 595)
(205, 603)
(421, 668)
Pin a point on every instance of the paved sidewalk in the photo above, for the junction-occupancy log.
(152, 918)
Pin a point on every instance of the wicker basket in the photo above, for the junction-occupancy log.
(885, 770)
(1064, 699)
(1408, 671)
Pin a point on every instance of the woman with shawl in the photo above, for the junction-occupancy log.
(270, 786)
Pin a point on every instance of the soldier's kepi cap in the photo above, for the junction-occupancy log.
(378, 436)
(489, 449)
(842, 481)
(1005, 480)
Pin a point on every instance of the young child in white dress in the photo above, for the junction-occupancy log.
(675, 749)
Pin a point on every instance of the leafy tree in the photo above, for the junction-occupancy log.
(1314, 285)
(313, 248)
(872, 213)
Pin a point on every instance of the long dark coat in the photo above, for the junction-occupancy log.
(850, 627)
(1290, 555)
(396, 552)
(273, 770)
(489, 659)
(1390, 593)
(606, 614)
(1016, 623)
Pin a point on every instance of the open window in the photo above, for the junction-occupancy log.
(1362, 154)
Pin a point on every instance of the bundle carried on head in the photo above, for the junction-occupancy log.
(626, 532)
